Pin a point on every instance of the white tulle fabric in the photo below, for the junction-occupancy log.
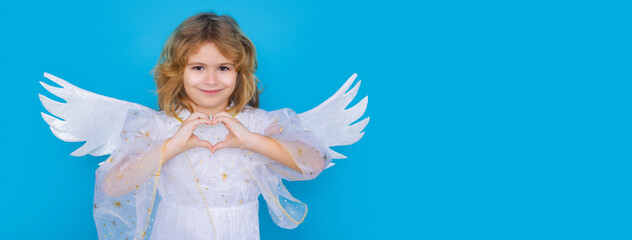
(200, 195)
(172, 203)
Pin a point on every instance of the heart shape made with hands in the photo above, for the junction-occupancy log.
(237, 135)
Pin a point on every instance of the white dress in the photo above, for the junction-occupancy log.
(225, 186)
(230, 194)
(197, 195)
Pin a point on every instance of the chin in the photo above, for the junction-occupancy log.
(211, 104)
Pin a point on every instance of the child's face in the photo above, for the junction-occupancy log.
(209, 79)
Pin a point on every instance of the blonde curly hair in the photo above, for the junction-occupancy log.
(225, 33)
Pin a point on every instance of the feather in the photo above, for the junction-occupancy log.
(96, 119)
(330, 121)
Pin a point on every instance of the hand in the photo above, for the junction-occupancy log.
(184, 139)
(238, 135)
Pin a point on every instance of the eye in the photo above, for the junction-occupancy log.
(224, 68)
(196, 68)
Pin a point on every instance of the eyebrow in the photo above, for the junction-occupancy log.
(199, 63)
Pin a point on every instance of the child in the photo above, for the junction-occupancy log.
(210, 152)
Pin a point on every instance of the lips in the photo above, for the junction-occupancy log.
(211, 92)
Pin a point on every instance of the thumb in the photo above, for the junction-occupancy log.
(205, 144)
(219, 146)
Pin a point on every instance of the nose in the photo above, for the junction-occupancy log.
(210, 78)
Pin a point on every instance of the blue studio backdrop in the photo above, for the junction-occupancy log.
(489, 119)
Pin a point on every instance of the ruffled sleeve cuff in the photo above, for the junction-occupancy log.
(306, 151)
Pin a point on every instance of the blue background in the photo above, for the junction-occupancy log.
(489, 119)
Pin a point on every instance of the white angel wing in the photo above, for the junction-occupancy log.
(330, 121)
(88, 116)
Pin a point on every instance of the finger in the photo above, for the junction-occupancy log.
(190, 126)
(197, 115)
(220, 145)
(202, 115)
(229, 123)
(222, 114)
(222, 119)
(205, 144)
(192, 141)
(196, 122)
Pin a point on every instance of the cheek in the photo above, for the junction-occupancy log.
(191, 80)
(230, 81)
(187, 90)
(189, 83)
(186, 79)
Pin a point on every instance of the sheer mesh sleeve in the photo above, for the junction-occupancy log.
(306, 151)
(123, 196)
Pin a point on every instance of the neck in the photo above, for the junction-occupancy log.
(210, 111)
